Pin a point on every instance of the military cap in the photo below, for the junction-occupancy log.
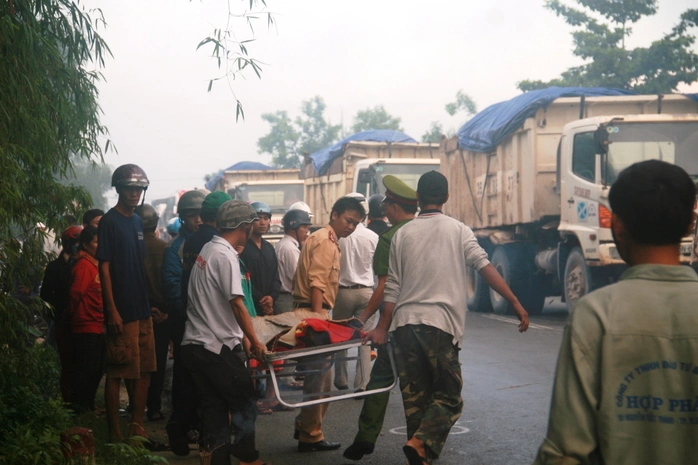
(399, 192)
(215, 200)
(234, 213)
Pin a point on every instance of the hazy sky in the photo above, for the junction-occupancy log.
(410, 56)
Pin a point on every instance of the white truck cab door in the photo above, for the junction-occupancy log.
(580, 188)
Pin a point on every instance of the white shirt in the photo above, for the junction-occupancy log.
(426, 281)
(356, 263)
(215, 281)
(287, 254)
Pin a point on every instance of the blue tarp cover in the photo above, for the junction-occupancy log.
(493, 124)
(324, 158)
(239, 166)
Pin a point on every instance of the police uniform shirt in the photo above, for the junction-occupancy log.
(318, 267)
(215, 281)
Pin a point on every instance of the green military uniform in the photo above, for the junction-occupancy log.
(626, 385)
(373, 411)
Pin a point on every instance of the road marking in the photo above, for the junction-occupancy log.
(402, 430)
(514, 387)
(514, 321)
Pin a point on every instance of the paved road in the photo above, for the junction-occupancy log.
(507, 384)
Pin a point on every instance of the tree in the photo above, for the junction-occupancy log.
(282, 140)
(289, 140)
(433, 135)
(230, 51)
(95, 178)
(463, 103)
(315, 133)
(375, 118)
(600, 38)
(49, 117)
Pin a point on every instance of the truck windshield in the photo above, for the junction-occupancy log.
(278, 196)
(409, 174)
(673, 142)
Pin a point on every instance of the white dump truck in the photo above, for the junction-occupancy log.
(360, 167)
(278, 188)
(536, 194)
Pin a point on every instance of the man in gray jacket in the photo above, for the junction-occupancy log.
(626, 384)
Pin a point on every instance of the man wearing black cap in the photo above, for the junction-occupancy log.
(400, 206)
(425, 303)
(376, 213)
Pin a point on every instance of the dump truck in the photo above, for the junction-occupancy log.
(278, 188)
(531, 178)
(359, 166)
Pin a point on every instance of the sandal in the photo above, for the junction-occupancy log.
(280, 408)
(155, 446)
(262, 410)
(413, 457)
(155, 416)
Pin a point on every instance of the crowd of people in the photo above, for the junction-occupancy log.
(124, 298)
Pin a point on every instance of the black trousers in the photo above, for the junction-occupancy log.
(88, 363)
(185, 398)
(157, 380)
(225, 386)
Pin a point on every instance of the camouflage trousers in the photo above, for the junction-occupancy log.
(430, 381)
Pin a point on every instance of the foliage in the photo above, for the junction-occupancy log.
(31, 417)
(94, 177)
(281, 141)
(434, 133)
(289, 140)
(602, 27)
(463, 103)
(133, 453)
(49, 126)
(231, 52)
(375, 118)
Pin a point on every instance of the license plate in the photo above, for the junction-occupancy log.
(686, 249)
(613, 252)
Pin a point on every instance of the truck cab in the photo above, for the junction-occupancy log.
(279, 195)
(368, 181)
(592, 153)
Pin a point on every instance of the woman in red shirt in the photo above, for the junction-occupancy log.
(86, 317)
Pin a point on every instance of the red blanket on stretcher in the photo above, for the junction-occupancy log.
(313, 332)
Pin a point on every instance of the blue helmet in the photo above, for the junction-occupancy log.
(261, 207)
(173, 226)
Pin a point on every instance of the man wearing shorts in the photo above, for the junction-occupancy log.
(130, 343)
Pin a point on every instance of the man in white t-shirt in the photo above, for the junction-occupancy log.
(356, 281)
(212, 347)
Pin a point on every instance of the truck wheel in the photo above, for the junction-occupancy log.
(478, 292)
(515, 266)
(578, 279)
(532, 297)
(503, 263)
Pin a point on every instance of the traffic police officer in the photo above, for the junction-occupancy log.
(315, 288)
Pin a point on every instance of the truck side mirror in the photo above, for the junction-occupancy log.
(365, 176)
(601, 140)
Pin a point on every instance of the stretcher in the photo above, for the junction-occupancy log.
(313, 360)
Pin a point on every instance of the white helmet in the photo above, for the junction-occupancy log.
(301, 206)
(360, 197)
